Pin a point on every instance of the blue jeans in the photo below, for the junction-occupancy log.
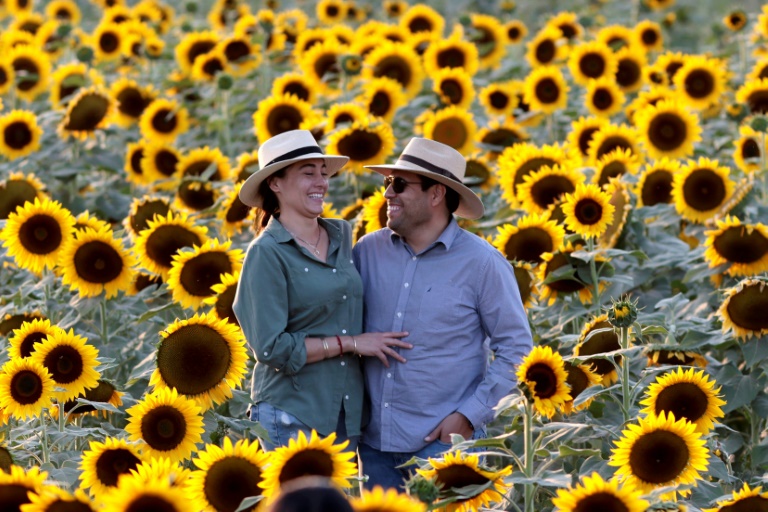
(282, 426)
(381, 467)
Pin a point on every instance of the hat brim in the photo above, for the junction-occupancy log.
(470, 206)
(249, 192)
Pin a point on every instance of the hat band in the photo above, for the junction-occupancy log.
(306, 150)
(429, 166)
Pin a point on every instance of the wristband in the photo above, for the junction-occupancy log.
(354, 349)
(325, 347)
(341, 348)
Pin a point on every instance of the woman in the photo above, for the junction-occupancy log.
(300, 300)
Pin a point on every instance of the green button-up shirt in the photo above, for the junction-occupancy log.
(285, 294)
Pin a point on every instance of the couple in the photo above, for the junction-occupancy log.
(406, 318)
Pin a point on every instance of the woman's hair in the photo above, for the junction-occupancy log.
(269, 203)
(310, 494)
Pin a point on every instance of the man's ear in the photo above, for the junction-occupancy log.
(437, 194)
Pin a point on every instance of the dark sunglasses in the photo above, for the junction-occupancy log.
(398, 184)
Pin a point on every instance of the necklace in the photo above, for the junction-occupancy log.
(313, 245)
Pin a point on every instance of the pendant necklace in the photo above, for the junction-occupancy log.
(314, 246)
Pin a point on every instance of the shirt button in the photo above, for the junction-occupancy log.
(352, 261)
(406, 285)
(414, 258)
(386, 404)
(344, 297)
(306, 269)
(389, 375)
(343, 363)
(334, 271)
(399, 314)
(343, 331)
(266, 353)
(346, 397)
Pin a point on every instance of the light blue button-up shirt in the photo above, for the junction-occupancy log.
(457, 299)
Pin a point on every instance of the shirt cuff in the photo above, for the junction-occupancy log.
(476, 412)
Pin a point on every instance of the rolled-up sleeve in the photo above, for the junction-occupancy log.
(261, 307)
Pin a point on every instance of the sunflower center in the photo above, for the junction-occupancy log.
(584, 139)
(199, 167)
(163, 428)
(758, 101)
(544, 380)
(229, 480)
(613, 143)
(748, 504)
(380, 104)
(343, 118)
(14, 194)
(452, 90)
(165, 241)
(602, 501)
(667, 131)
(484, 41)
(450, 131)
(194, 359)
(224, 303)
(588, 212)
(704, 190)
(396, 68)
(738, 246)
(3, 76)
(309, 462)
(657, 188)
(546, 51)
(64, 363)
(236, 50)
(13, 496)
(699, 83)
(600, 343)
(602, 99)
(68, 506)
(420, 24)
(202, 272)
(6, 460)
(360, 145)
(658, 457)
(567, 285)
(327, 64)
(101, 393)
(27, 344)
(577, 380)
(135, 161)
(41, 234)
(298, 90)
(26, 387)
(628, 73)
(592, 65)
(211, 66)
(151, 504)
(459, 475)
(649, 37)
(199, 48)
(27, 72)
(532, 165)
(746, 309)
(513, 33)
(282, 119)
(164, 120)
(88, 113)
(165, 162)
(109, 42)
(237, 212)
(17, 135)
(547, 91)
(684, 399)
(131, 102)
(529, 244)
(98, 262)
(195, 195)
(113, 463)
(750, 149)
(501, 137)
(499, 100)
(451, 58)
(70, 85)
(524, 281)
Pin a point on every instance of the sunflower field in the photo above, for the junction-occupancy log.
(619, 149)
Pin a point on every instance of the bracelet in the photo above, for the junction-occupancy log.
(341, 348)
(354, 349)
(325, 347)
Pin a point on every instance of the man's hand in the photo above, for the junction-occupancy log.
(454, 423)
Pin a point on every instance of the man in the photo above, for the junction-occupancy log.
(451, 291)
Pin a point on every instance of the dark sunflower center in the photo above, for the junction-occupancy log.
(202, 272)
(146, 280)
(546, 51)
(532, 165)
(151, 503)
(699, 83)
(451, 58)
(135, 161)
(667, 131)
(146, 212)
(758, 101)
(747, 308)
(195, 195)
(165, 241)
(199, 48)
(602, 501)
(70, 85)
(547, 91)
(164, 120)
(459, 475)
(68, 506)
(237, 212)
(113, 463)
(383, 214)
(6, 459)
(308, 462)
(163, 428)
(64, 363)
(513, 33)
(131, 102)
(344, 118)
(40, 234)
(13, 496)
(14, 194)
(165, 162)
(17, 135)
(657, 188)
(283, 118)
(602, 99)
(420, 24)
(588, 212)
(592, 65)
(395, 67)
(524, 283)
(13, 322)
(501, 137)
(199, 167)
(332, 11)
(566, 285)
(628, 73)
(529, 244)
(27, 344)
(738, 246)
(750, 149)
(684, 399)
(612, 143)
(360, 145)
(224, 303)
(298, 90)
(484, 41)
(236, 50)
(584, 139)
(451, 131)
(649, 37)
(600, 343)
(452, 90)
(749, 504)
(499, 100)
(98, 262)
(658, 457)
(544, 379)
(229, 480)
(671, 357)
(704, 190)
(88, 113)
(212, 66)
(380, 104)
(611, 170)
(109, 42)
(576, 379)
(569, 31)
(327, 67)
(101, 393)
(26, 387)
(194, 359)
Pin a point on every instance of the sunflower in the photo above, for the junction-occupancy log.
(522, 159)
(278, 114)
(11, 322)
(26, 388)
(700, 189)
(497, 136)
(688, 395)
(7, 76)
(344, 114)
(581, 133)
(610, 137)
(580, 377)
(616, 37)
(667, 130)
(489, 36)
(95, 261)
(590, 61)
(20, 134)
(620, 199)
(247, 164)
(31, 69)
(545, 49)
(234, 214)
(544, 187)
(132, 99)
(516, 31)
(700, 82)
(17, 484)
(650, 98)
(744, 247)
(744, 499)
(70, 360)
(53, 499)
(543, 374)
(364, 142)
(163, 120)
(90, 110)
(529, 238)
(203, 357)
(309, 457)
(598, 494)
(452, 52)
(18, 189)
(383, 96)
(226, 475)
(70, 79)
(35, 233)
(375, 211)
(321, 65)
(588, 210)
(159, 163)
(296, 84)
(107, 41)
(225, 296)
(162, 469)
(104, 392)
(225, 13)
(498, 99)
(397, 61)
(162, 238)
(480, 171)
(754, 93)
(599, 337)
(614, 165)
(194, 272)
(134, 153)
(65, 11)
(205, 163)
(660, 451)
(192, 46)
(132, 494)
(22, 339)
(380, 500)
(546, 89)
(454, 87)
(629, 72)
(604, 97)
(142, 211)
(422, 18)
(242, 56)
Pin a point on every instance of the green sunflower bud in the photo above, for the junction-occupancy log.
(424, 490)
(351, 64)
(191, 7)
(225, 81)
(84, 54)
(622, 313)
(759, 124)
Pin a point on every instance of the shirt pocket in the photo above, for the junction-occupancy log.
(441, 304)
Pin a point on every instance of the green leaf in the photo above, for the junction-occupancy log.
(565, 451)
(740, 393)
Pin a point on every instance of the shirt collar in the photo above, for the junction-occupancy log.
(447, 237)
(281, 235)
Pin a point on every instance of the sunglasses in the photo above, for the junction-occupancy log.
(398, 184)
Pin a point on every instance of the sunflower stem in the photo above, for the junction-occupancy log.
(225, 118)
(551, 127)
(103, 314)
(742, 41)
(634, 12)
(528, 454)
(594, 274)
(625, 394)
(44, 437)
(61, 417)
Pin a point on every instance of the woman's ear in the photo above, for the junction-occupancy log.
(273, 183)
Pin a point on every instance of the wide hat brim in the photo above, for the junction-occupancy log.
(470, 206)
(249, 192)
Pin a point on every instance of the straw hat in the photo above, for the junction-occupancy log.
(281, 151)
(441, 163)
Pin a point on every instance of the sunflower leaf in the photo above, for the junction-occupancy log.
(566, 450)
(248, 503)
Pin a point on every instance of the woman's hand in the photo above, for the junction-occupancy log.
(379, 344)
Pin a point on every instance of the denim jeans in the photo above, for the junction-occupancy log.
(282, 426)
(381, 467)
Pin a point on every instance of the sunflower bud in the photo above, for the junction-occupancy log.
(225, 81)
(424, 490)
(759, 124)
(351, 64)
(191, 7)
(84, 54)
(622, 313)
